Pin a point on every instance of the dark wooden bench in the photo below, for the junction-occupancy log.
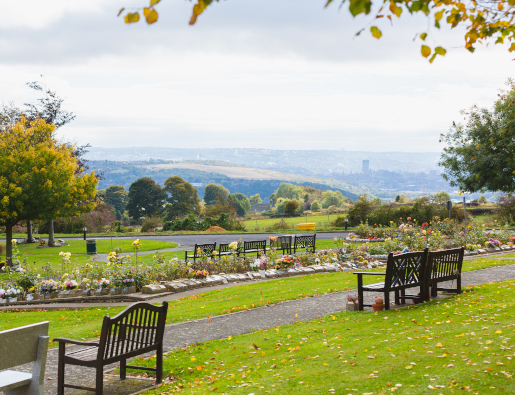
(19, 346)
(403, 271)
(304, 242)
(255, 246)
(283, 243)
(205, 249)
(136, 330)
(444, 266)
(224, 249)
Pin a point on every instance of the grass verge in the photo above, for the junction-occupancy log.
(458, 345)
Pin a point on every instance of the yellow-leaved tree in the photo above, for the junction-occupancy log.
(484, 20)
(38, 177)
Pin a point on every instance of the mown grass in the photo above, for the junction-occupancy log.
(87, 322)
(261, 225)
(458, 345)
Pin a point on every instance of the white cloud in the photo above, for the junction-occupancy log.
(239, 78)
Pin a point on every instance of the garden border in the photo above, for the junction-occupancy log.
(231, 278)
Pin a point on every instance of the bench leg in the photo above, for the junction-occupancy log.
(434, 290)
(397, 300)
(387, 300)
(123, 369)
(159, 364)
(403, 294)
(458, 284)
(360, 292)
(99, 380)
(60, 370)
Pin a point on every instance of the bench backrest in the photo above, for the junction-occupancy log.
(138, 328)
(305, 241)
(19, 346)
(206, 249)
(224, 249)
(445, 263)
(281, 242)
(254, 246)
(405, 269)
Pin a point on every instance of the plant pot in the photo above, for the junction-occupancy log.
(115, 291)
(11, 300)
(352, 307)
(54, 295)
(378, 307)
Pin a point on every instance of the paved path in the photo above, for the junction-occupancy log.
(179, 335)
(190, 240)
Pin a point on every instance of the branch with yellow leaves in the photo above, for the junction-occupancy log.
(484, 20)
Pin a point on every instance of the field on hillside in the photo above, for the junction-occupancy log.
(261, 225)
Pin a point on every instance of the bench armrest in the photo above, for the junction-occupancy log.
(370, 273)
(71, 341)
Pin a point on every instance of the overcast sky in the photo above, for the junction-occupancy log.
(251, 73)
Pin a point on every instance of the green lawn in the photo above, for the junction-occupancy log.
(260, 225)
(460, 345)
(212, 303)
(40, 257)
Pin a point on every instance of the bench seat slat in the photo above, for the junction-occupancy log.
(10, 379)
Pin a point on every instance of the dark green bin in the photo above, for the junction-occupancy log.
(91, 247)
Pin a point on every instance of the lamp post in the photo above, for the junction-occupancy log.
(346, 223)
(85, 230)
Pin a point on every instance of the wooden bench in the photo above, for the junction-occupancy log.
(224, 249)
(403, 271)
(205, 249)
(255, 246)
(137, 330)
(20, 346)
(304, 242)
(444, 266)
(283, 243)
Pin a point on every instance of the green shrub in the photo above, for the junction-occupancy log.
(315, 206)
(149, 223)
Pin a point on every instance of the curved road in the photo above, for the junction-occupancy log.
(191, 240)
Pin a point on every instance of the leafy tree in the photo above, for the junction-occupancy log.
(49, 108)
(255, 199)
(332, 198)
(243, 203)
(222, 206)
(214, 192)
(483, 20)
(401, 198)
(286, 191)
(145, 198)
(482, 200)
(182, 196)
(315, 206)
(480, 154)
(38, 177)
(440, 197)
(116, 196)
(360, 210)
(291, 207)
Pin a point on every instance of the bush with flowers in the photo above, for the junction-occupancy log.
(70, 285)
(200, 274)
(49, 286)
(103, 283)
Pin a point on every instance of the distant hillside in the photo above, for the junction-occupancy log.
(236, 178)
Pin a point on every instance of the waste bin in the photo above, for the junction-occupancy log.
(91, 247)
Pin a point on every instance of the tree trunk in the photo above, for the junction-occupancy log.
(29, 232)
(9, 244)
(51, 240)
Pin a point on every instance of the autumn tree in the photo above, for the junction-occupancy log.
(145, 198)
(440, 198)
(480, 153)
(181, 196)
(38, 177)
(483, 21)
(48, 107)
(116, 196)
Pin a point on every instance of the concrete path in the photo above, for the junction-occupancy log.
(179, 335)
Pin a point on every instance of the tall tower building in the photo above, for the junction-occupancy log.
(365, 167)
